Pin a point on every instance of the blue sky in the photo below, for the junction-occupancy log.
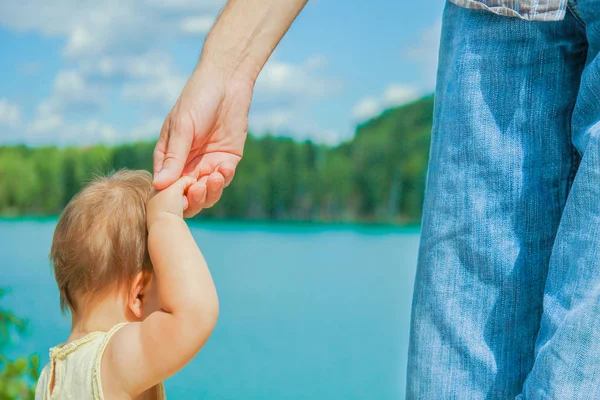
(81, 72)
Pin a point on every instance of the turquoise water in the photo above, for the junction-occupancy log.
(307, 312)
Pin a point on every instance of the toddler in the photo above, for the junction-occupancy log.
(140, 294)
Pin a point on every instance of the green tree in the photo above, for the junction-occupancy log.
(17, 377)
(19, 182)
(378, 176)
(47, 162)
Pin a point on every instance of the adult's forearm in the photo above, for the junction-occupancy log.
(246, 33)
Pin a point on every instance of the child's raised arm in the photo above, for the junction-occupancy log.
(144, 354)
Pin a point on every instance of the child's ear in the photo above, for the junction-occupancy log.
(136, 294)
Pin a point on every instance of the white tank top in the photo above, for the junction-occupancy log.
(76, 370)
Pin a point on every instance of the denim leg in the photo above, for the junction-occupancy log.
(567, 362)
(500, 168)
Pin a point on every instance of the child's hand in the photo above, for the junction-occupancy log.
(171, 200)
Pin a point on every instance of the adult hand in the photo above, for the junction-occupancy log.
(203, 136)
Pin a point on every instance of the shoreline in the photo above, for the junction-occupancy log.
(279, 225)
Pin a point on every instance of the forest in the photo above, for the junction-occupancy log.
(377, 177)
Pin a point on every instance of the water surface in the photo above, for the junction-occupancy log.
(306, 312)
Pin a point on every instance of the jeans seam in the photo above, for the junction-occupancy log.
(573, 172)
(574, 162)
(572, 7)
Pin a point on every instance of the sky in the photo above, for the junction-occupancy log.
(79, 72)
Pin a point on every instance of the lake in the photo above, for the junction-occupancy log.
(306, 311)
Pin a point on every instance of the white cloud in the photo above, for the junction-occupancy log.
(197, 25)
(291, 123)
(316, 61)
(71, 92)
(331, 137)
(129, 66)
(187, 5)
(81, 41)
(161, 91)
(46, 122)
(71, 87)
(397, 94)
(110, 47)
(279, 81)
(319, 134)
(147, 79)
(283, 95)
(54, 129)
(49, 128)
(99, 132)
(272, 121)
(425, 52)
(92, 28)
(366, 108)
(10, 114)
(394, 95)
(149, 130)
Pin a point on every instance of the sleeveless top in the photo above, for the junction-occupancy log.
(76, 370)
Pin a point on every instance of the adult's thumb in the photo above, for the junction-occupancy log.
(176, 155)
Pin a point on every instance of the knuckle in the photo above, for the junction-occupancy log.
(216, 185)
(182, 124)
(164, 130)
(214, 198)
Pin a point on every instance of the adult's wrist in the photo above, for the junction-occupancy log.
(234, 64)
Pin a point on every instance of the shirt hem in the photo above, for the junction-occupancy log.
(550, 15)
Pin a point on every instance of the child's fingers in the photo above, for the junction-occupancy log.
(183, 183)
(181, 186)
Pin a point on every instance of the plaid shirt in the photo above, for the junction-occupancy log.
(533, 10)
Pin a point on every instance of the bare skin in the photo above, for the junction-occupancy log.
(171, 314)
(204, 134)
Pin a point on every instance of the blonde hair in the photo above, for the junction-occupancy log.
(100, 239)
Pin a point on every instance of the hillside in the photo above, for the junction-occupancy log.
(379, 176)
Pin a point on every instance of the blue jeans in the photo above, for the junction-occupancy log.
(507, 292)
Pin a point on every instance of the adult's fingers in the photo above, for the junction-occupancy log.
(206, 164)
(227, 169)
(196, 196)
(205, 193)
(179, 142)
(214, 188)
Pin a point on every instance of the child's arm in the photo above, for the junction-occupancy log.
(143, 354)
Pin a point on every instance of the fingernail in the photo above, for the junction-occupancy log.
(196, 196)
